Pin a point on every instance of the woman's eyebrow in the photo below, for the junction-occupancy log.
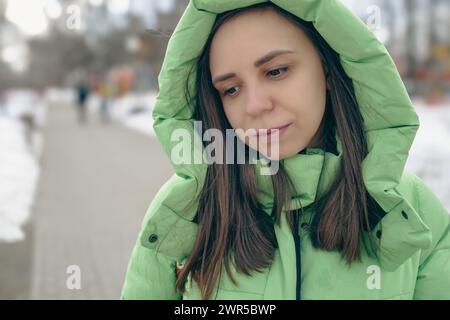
(264, 59)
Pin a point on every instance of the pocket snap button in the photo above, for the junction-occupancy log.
(153, 238)
(404, 215)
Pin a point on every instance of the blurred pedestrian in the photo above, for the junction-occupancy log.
(106, 93)
(83, 94)
(2, 103)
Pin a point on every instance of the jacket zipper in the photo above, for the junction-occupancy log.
(297, 258)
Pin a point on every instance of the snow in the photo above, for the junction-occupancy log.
(19, 170)
(60, 96)
(430, 153)
(134, 111)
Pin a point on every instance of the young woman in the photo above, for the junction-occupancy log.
(339, 218)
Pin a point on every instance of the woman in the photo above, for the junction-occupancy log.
(339, 218)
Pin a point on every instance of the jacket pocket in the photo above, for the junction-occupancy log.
(169, 234)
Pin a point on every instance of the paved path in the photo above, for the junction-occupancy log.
(96, 183)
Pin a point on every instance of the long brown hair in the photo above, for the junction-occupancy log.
(232, 225)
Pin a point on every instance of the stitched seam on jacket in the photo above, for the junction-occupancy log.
(175, 213)
(425, 261)
(419, 205)
(167, 233)
(398, 295)
(267, 278)
(173, 224)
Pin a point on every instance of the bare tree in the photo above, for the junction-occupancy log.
(411, 40)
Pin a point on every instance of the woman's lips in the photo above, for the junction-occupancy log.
(269, 132)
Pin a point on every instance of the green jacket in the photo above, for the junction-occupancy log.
(414, 235)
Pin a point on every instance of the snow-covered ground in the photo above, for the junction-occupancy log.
(430, 153)
(22, 115)
(133, 111)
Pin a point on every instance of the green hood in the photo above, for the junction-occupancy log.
(390, 122)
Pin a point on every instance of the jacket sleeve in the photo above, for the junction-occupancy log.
(166, 236)
(433, 279)
(150, 276)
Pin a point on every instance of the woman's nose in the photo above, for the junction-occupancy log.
(258, 101)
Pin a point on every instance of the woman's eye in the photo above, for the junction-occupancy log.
(229, 91)
(276, 72)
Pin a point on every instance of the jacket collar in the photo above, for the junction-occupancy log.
(312, 172)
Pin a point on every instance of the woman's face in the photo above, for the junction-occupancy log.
(286, 90)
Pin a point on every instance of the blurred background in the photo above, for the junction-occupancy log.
(79, 162)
